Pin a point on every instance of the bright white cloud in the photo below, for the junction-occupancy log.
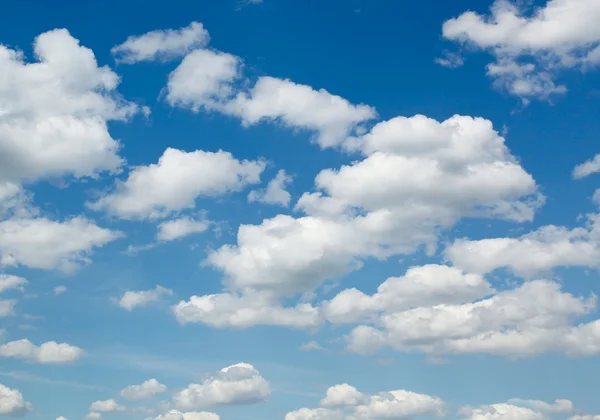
(60, 105)
(535, 252)
(419, 178)
(234, 385)
(8, 282)
(275, 193)
(558, 406)
(587, 168)
(344, 402)
(192, 415)
(107, 406)
(47, 244)
(50, 352)
(136, 299)
(532, 46)
(176, 181)
(500, 412)
(203, 80)
(162, 44)
(93, 416)
(179, 228)
(534, 318)
(147, 389)
(12, 403)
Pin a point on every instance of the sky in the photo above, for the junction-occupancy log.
(300, 210)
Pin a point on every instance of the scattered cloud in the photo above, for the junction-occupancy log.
(132, 299)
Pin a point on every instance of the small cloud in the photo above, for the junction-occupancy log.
(59, 290)
(312, 346)
(450, 60)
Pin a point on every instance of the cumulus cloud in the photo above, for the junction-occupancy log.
(192, 415)
(275, 193)
(47, 244)
(147, 389)
(536, 317)
(344, 402)
(500, 412)
(162, 44)
(234, 385)
(10, 282)
(12, 403)
(172, 230)
(176, 181)
(50, 352)
(558, 406)
(7, 307)
(532, 47)
(535, 252)
(107, 406)
(587, 168)
(136, 299)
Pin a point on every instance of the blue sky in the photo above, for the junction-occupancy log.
(333, 210)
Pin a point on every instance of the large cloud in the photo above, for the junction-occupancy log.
(531, 48)
(12, 402)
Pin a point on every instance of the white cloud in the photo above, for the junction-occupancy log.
(59, 290)
(353, 405)
(147, 389)
(50, 352)
(107, 406)
(234, 385)
(47, 244)
(450, 170)
(60, 105)
(93, 416)
(162, 44)
(559, 406)
(450, 60)
(178, 415)
(312, 346)
(587, 168)
(534, 318)
(275, 193)
(8, 282)
(300, 107)
(584, 417)
(7, 307)
(12, 402)
(203, 80)
(179, 228)
(176, 181)
(132, 299)
(227, 310)
(61, 418)
(531, 48)
(535, 252)
(500, 412)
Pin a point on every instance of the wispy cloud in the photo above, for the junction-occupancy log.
(28, 377)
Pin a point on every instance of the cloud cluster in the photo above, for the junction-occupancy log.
(50, 352)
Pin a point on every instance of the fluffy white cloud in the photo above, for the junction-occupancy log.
(176, 181)
(559, 406)
(176, 229)
(132, 299)
(8, 282)
(458, 168)
(203, 80)
(427, 285)
(54, 112)
(227, 310)
(162, 44)
(500, 412)
(47, 244)
(534, 318)
(234, 385)
(532, 253)
(531, 48)
(147, 389)
(587, 168)
(107, 406)
(93, 416)
(275, 193)
(193, 415)
(300, 107)
(12, 402)
(7, 307)
(50, 352)
(353, 405)
(312, 346)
